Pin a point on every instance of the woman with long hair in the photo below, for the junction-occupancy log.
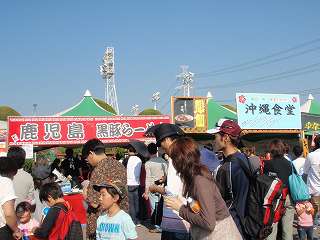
(205, 209)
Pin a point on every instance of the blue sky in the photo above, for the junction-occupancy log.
(50, 51)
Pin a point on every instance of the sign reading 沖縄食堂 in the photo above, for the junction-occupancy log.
(268, 111)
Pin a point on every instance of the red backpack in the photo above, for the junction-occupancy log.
(265, 203)
(67, 227)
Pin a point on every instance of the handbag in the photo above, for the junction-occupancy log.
(298, 189)
(224, 229)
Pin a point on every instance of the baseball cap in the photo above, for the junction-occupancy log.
(228, 127)
(117, 185)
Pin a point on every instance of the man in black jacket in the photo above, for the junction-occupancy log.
(234, 192)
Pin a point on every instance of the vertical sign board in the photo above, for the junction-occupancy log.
(190, 113)
(268, 111)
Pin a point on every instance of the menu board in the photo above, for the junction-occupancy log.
(190, 113)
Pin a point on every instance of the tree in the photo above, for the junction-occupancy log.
(6, 111)
(150, 111)
(104, 105)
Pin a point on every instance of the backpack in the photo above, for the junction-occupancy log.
(69, 227)
(265, 202)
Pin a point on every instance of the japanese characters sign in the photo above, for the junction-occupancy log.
(190, 113)
(77, 130)
(310, 122)
(268, 111)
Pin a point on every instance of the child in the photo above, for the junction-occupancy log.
(53, 226)
(305, 213)
(26, 222)
(114, 224)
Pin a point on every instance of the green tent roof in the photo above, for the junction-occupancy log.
(311, 106)
(217, 112)
(86, 107)
(314, 108)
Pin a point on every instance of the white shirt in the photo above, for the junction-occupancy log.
(171, 221)
(133, 171)
(312, 169)
(23, 186)
(299, 164)
(6, 194)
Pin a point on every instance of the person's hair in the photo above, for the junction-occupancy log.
(317, 141)
(297, 150)
(131, 149)
(118, 156)
(41, 161)
(277, 148)
(50, 190)
(94, 145)
(165, 156)
(23, 207)
(17, 154)
(69, 152)
(185, 156)
(286, 148)
(8, 167)
(152, 148)
(249, 151)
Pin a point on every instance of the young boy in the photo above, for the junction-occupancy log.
(53, 226)
(114, 223)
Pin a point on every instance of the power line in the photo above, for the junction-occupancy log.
(263, 58)
(169, 89)
(168, 101)
(262, 64)
(264, 78)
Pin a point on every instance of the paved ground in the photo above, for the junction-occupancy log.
(143, 233)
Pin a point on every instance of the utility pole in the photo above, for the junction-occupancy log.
(186, 79)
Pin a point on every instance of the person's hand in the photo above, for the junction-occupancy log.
(17, 234)
(145, 196)
(173, 203)
(153, 188)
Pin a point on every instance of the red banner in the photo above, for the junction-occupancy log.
(41, 131)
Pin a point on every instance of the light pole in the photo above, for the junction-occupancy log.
(135, 109)
(155, 99)
(107, 73)
(34, 111)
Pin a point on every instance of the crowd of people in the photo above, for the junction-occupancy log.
(186, 189)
